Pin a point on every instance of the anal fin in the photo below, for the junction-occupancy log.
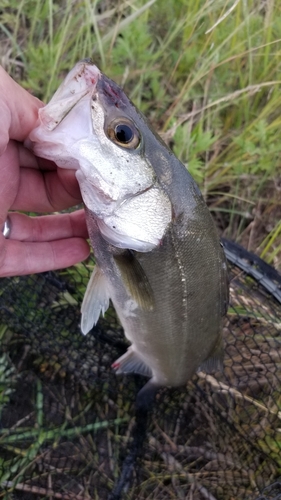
(130, 362)
(95, 301)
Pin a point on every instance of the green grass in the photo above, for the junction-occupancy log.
(207, 74)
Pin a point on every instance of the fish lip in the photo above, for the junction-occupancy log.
(79, 83)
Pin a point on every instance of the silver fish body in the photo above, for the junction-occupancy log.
(157, 250)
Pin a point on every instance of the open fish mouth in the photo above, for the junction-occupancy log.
(84, 80)
(77, 90)
(80, 82)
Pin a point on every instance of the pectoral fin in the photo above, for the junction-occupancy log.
(135, 280)
(131, 363)
(96, 300)
(215, 361)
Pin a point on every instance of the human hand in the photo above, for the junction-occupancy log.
(28, 183)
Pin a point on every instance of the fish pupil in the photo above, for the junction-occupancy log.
(123, 133)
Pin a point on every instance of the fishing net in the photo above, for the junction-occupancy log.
(69, 428)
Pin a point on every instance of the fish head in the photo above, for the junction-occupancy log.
(92, 127)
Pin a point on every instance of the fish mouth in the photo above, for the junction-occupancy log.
(80, 82)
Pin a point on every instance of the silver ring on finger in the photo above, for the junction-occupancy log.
(6, 229)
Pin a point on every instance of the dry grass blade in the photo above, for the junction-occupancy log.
(35, 490)
(226, 389)
(223, 17)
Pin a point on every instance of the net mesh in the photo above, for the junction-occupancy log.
(69, 428)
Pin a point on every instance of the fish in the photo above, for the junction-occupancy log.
(157, 250)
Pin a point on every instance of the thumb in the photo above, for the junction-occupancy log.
(5, 120)
(18, 109)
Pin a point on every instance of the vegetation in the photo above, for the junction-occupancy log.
(207, 74)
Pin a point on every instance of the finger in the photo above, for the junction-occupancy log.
(20, 258)
(48, 227)
(9, 182)
(67, 177)
(45, 193)
(20, 107)
(30, 189)
(28, 159)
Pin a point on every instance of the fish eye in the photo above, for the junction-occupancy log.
(123, 132)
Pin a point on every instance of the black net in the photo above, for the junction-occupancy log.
(69, 428)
